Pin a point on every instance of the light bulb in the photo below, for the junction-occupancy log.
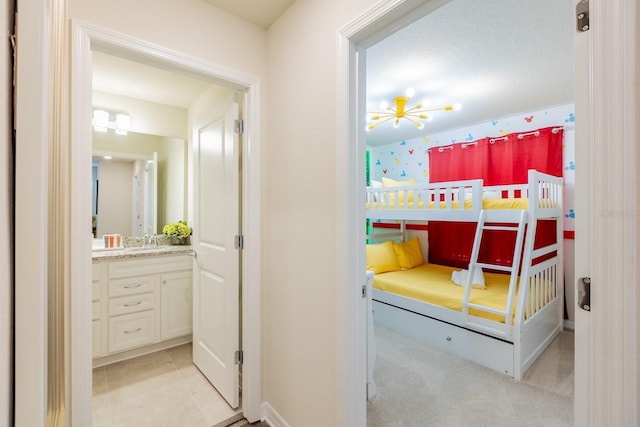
(457, 106)
(123, 123)
(410, 92)
(100, 120)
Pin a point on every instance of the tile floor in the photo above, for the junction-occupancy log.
(159, 389)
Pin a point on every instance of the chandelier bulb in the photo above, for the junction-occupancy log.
(396, 123)
(420, 125)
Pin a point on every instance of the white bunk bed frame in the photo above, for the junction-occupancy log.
(509, 347)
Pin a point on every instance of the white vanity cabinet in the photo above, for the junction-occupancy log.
(144, 301)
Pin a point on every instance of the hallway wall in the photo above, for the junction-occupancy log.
(300, 379)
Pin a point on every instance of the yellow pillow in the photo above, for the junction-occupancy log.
(382, 257)
(409, 253)
(388, 182)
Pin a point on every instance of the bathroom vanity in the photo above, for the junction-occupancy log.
(141, 301)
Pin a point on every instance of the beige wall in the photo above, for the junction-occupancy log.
(6, 223)
(299, 359)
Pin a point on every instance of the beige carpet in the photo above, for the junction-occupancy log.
(421, 386)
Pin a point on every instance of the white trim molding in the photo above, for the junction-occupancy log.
(272, 417)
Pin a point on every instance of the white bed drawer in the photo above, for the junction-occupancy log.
(132, 285)
(476, 347)
(131, 330)
(131, 304)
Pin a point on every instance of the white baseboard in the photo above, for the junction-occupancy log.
(568, 324)
(271, 416)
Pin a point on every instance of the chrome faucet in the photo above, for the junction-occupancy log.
(150, 240)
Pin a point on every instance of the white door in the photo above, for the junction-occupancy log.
(216, 272)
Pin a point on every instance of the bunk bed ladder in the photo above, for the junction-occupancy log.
(519, 229)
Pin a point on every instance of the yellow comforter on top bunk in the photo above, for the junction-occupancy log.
(515, 203)
(432, 283)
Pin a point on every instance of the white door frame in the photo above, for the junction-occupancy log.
(86, 37)
(608, 116)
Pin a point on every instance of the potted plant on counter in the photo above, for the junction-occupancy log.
(178, 233)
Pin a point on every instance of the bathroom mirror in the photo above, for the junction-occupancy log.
(138, 183)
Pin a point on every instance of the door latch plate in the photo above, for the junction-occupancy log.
(584, 293)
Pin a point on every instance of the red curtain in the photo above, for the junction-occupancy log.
(497, 161)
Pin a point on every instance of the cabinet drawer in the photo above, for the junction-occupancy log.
(149, 265)
(95, 291)
(95, 310)
(131, 330)
(131, 304)
(132, 285)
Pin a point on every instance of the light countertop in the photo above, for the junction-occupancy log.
(134, 252)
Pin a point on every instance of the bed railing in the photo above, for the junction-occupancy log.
(416, 196)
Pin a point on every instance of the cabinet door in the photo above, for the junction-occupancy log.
(97, 338)
(176, 302)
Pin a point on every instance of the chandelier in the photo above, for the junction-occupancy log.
(399, 111)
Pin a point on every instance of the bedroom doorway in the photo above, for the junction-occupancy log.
(365, 33)
(405, 152)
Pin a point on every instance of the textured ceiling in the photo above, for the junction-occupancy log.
(260, 12)
(496, 57)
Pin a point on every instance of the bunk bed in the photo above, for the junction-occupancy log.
(508, 332)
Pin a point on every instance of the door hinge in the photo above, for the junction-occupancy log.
(238, 126)
(584, 293)
(582, 16)
(239, 357)
(364, 291)
(239, 241)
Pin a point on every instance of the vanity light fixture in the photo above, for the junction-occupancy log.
(102, 122)
(123, 123)
(414, 114)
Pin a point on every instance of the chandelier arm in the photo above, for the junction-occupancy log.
(428, 110)
(415, 122)
(382, 120)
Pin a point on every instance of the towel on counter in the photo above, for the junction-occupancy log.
(460, 278)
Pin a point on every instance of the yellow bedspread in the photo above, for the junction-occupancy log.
(517, 203)
(432, 283)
